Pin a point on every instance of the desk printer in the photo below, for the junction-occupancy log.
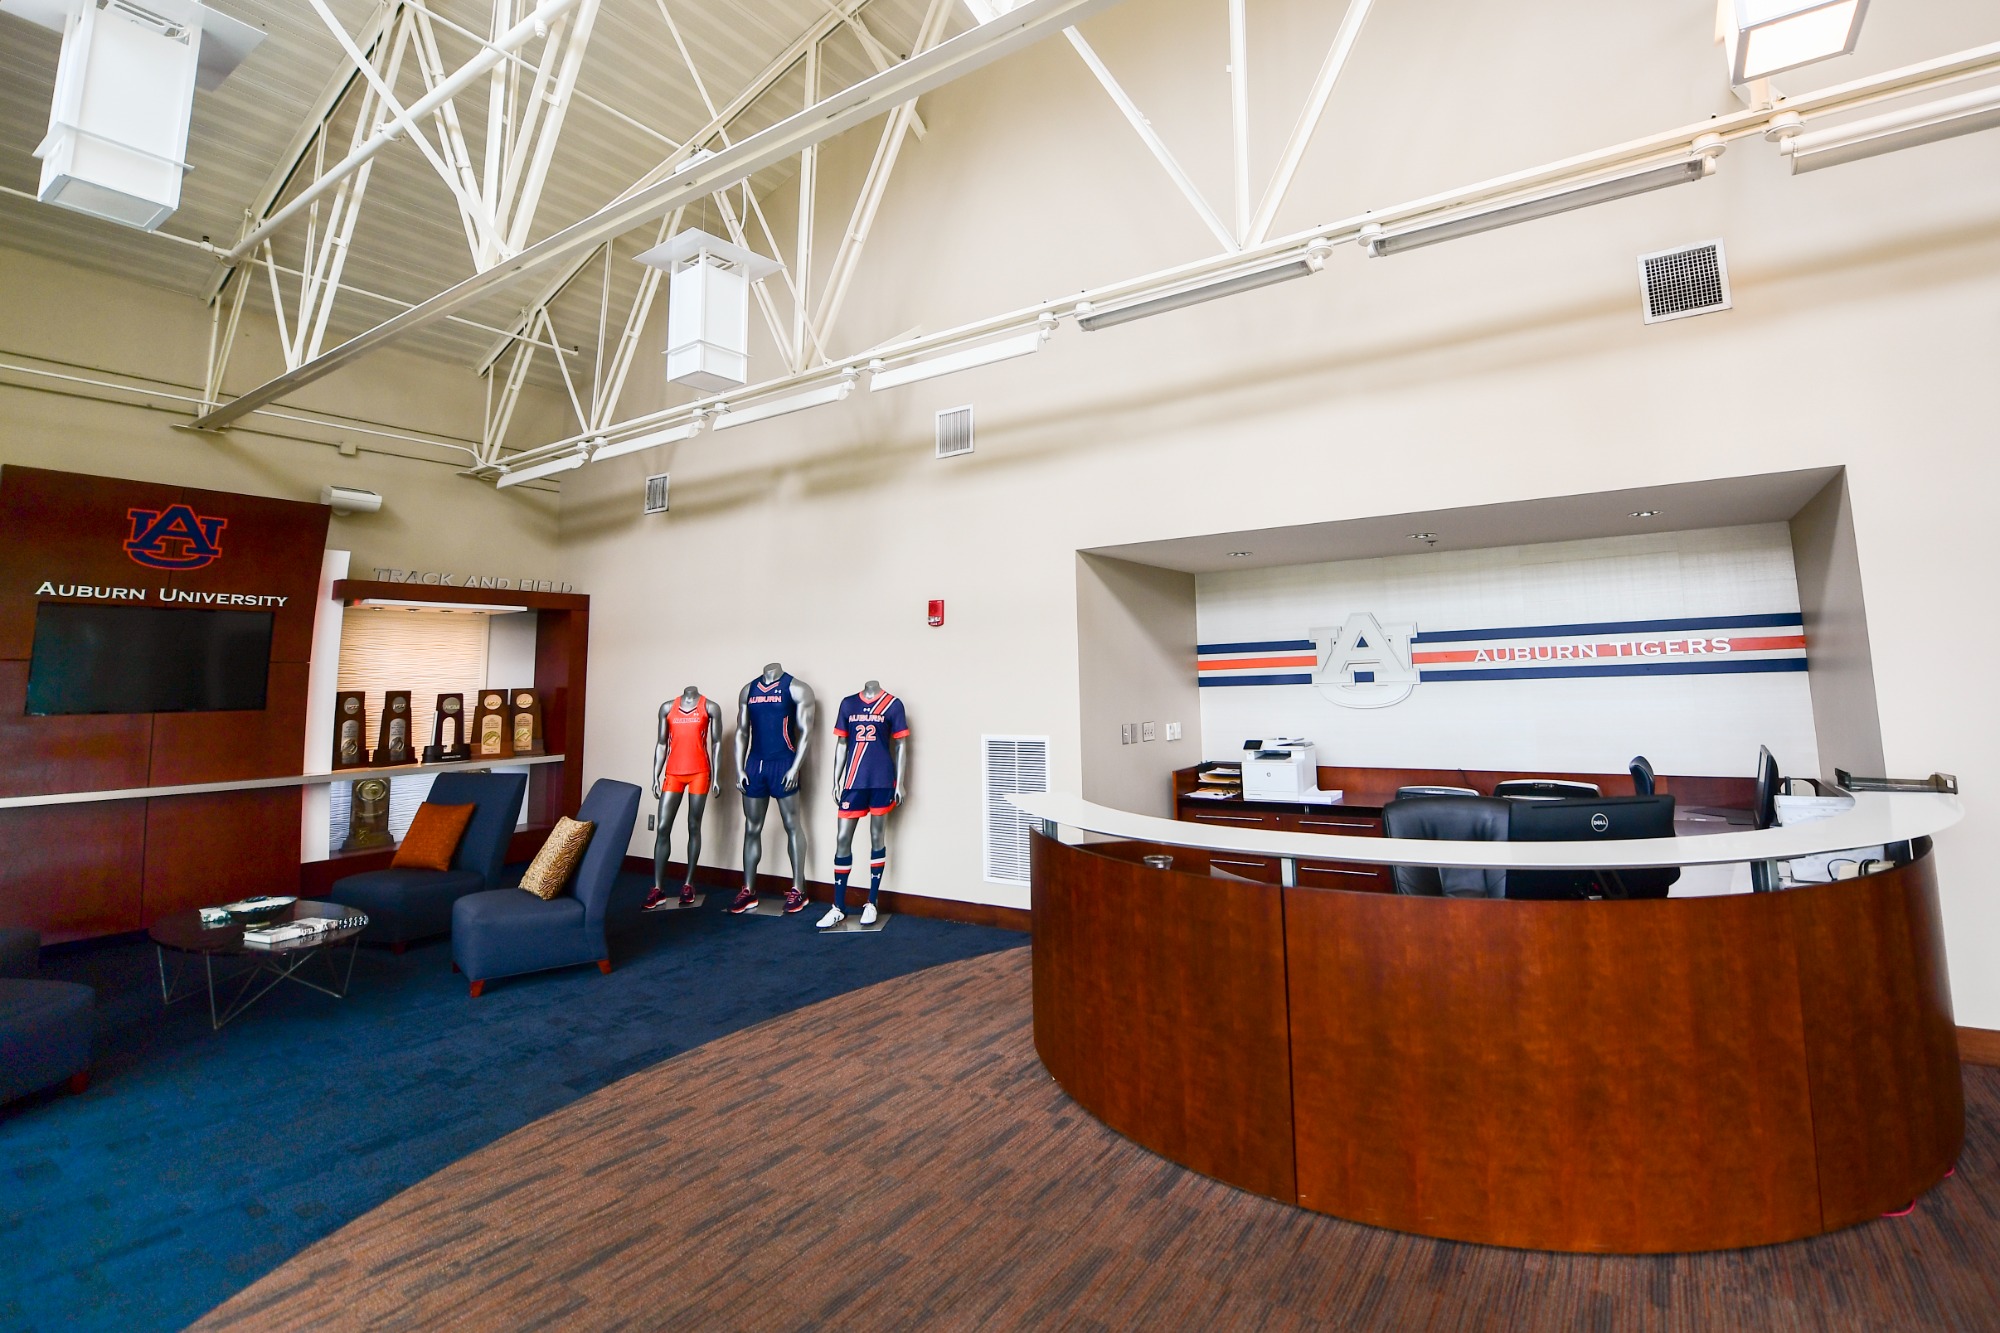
(1282, 770)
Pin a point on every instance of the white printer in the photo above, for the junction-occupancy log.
(1282, 770)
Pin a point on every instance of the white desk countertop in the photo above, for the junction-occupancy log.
(1877, 817)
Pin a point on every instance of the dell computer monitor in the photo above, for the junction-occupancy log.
(1765, 806)
(1602, 819)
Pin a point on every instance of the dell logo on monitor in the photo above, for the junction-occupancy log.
(1600, 822)
(174, 538)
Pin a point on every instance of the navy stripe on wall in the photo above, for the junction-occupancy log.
(1707, 668)
(1273, 646)
(1613, 627)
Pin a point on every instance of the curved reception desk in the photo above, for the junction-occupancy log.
(1600, 1076)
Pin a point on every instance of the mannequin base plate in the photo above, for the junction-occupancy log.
(772, 905)
(852, 925)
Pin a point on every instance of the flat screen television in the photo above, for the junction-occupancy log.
(147, 659)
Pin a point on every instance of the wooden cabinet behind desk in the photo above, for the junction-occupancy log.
(1333, 820)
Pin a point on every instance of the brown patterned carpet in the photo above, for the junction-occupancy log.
(897, 1158)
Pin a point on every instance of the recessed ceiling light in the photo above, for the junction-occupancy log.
(1239, 553)
(1423, 536)
(1646, 513)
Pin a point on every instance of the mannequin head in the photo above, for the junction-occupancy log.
(773, 670)
(871, 689)
(690, 694)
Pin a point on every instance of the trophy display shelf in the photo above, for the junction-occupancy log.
(257, 784)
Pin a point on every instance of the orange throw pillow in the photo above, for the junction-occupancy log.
(433, 837)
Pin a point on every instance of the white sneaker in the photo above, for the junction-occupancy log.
(868, 915)
(834, 916)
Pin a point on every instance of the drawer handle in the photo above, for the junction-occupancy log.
(1342, 870)
(1248, 865)
(1229, 819)
(1337, 823)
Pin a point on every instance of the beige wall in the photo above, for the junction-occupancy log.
(1836, 619)
(71, 321)
(1496, 368)
(1135, 638)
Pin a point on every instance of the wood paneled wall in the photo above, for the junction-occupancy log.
(81, 870)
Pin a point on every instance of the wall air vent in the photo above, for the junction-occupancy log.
(656, 494)
(1009, 765)
(954, 432)
(1692, 280)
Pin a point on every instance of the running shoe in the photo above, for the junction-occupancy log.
(795, 901)
(868, 915)
(656, 899)
(687, 895)
(834, 916)
(746, 900)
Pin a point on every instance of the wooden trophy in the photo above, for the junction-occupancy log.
(490, 739)
(368, 815)
(448, 732)
(350, 729)
(392, 741)
(527, 722)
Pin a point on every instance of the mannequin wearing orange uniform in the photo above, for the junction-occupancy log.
(686, 756)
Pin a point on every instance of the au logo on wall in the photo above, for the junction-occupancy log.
(174, 538)
(1365, 661)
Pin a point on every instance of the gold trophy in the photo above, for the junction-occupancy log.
(368, 816)
(392, 742)
(350, 729)
(448, 732)
(489, 727)
(527, 711)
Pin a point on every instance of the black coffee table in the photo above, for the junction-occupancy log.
(186, 935)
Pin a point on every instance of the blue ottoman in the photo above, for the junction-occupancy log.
(45, 1031)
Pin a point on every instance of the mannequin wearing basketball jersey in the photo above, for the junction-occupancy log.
(686, 757)
(871, 755)
(774, 725)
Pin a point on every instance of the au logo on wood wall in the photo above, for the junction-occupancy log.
(174, 538)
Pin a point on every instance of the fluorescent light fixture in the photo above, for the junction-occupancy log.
(480, 607)
(1381, 241)
(671, 435)
(515, 476)
(1297, 266)
(1766, 37)
(777, 407)
(1943, 119)
(1006, 349)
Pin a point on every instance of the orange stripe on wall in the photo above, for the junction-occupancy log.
(1241, 663)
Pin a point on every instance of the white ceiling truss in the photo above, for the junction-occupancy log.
(489, 95)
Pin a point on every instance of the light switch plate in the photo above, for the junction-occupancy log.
(649, 822)
(1173, 731)
(1124, 733)
(1148, 733)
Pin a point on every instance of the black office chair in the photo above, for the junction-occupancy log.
(1411, 793)
(1642, 776)
(1764, 810)
(1544, 789)
(1455, 819)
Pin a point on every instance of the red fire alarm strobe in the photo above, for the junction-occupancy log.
(936, 616)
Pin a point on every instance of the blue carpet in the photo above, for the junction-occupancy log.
(198, 1161)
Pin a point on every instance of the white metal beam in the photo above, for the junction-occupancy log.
(1309, 118)
(842, 111)
(1154, 144)
(1239, 113)
(525, 31)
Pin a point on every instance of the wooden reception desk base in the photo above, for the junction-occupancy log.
(1611, 1077)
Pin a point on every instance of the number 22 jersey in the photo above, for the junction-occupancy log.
(869, 726)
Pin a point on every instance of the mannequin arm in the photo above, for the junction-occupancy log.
(714, 742)
(808, 706)
(902, 766)
(743, 739)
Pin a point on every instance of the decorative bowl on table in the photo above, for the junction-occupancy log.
(260, 908)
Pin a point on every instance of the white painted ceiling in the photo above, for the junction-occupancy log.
(410, 243)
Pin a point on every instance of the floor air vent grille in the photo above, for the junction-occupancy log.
(656, 494)
(954, 432)
(1010, 765)
(1692, 280)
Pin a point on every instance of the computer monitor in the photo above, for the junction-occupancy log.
(1604, 819)
(1765, 806)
